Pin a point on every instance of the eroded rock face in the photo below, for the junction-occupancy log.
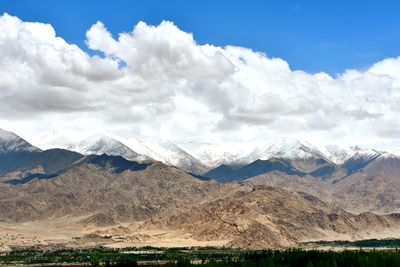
(374, 189)
(270, 217)
(89, 189)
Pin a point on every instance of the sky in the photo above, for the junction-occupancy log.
(197, 72)
(313, 36)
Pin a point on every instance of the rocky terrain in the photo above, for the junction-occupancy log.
(271, 217)
(89, 188)
(155, 201)
(365, 181)
(59, 197)
(373, 188)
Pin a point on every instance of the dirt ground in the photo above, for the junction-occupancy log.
(69, 232)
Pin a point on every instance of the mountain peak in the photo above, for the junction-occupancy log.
(358, 152)
(102, 144)
(292, 150)
(168, 153)
(10, 142)
(7, 136)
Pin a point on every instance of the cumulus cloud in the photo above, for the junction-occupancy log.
(161, 51)
(157, 81)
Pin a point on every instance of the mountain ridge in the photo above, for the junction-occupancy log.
(348, 183)
(199, 162)
(143, 205)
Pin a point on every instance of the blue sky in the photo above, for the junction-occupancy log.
(314, 36)
(158, 78)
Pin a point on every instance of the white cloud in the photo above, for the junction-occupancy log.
(158, 82)
(161, 52)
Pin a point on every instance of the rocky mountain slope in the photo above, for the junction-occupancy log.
(376, 187)
(293, 183)
(358, 180)
(272, 202)
(373, 188)
(104, 184)
(17, 155)
(226, 173)
(271, 217)
(107, 191)
(12, 143)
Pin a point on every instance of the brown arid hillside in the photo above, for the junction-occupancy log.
(292, 183)
(87, 188)
(164, 206)
(272, 217)
(375, 188)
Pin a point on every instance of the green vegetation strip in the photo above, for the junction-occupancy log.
(150, 256)
(368, 243)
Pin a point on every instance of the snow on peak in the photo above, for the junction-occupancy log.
(166, 152)
(292, 150)
(333, 153)
(10, 142)
(359, 153)
(236, 153)
(336, 154)
(7, 136)
(103, 144)
(395, 152)
(230, 153)
(192, 156)
(339, 154)
(388, 155)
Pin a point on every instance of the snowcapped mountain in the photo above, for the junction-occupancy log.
(331, 153)
(137, 150)
(318, 160)
(395, 152)
(359, 158)
(302, 155)
(337, 154)
(17, 155)
(103, 144)
(168, 153)
(292, 150)
(364, 154)
(230, 153)
(213, 155)
(10, 142)
(198, 158)
(239, 154)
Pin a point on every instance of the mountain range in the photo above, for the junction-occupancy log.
(150, 193)
(210, 156)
